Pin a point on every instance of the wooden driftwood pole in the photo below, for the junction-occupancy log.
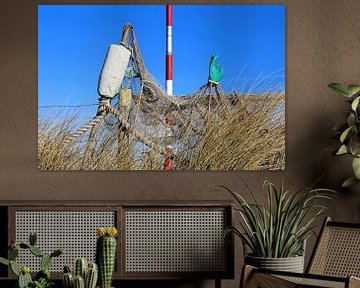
(124, 106)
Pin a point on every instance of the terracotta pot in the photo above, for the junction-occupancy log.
(291, 264)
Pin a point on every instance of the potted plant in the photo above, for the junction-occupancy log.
(84, 274)
(276, 233)
(349, 132)
(42, 278)
(106, 254)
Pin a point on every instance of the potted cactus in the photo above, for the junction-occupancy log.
(42, 278)
(85, 275)
(106, 254)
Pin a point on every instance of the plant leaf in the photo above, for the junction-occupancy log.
(4, 261)
(356, 167)
(345, 134)
(355, 103)
(349, 182)
(340, 88)
(342, 150)
(354, 145)
(353, 89)
(351, 120)
(14, 268)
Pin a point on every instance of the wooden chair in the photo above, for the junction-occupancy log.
(335, 262)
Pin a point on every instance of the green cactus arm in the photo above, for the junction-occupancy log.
(67, 269)
(36, 251)
(4, 261)
(13, 253)
(91, 276)
(92, 266)
(24, 245)
(79, 282)
(32, 238)
(24, 280)
(57, 252)
(68, 280)
(81, 266)
(45, 261)
(14, 268)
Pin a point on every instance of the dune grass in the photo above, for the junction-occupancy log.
(243, 132)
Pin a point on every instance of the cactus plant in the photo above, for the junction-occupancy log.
(91, 276)
(80, 268)
(24, 280)
(68, 280)
(106, 254)
(45, 261)
(42, 278)
(32, 238)
(13, 253)
(36, 251)
(79, 282)
(84, 274)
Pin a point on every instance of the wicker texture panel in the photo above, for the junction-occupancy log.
(338, 253)
(259, 280)
(75, 231)
(175, 241)
(304, 282)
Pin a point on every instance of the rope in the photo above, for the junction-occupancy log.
(136, 134)
(104, 109)
(93, 122)
(67, 106)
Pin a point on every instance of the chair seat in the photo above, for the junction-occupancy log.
(267, 279)
(335, 262)
(315, 282)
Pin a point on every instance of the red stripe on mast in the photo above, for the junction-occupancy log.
(169, 67)
(168, 15)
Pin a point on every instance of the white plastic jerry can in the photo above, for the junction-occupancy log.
(113, 71)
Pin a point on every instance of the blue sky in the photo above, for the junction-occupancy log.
(73, 40)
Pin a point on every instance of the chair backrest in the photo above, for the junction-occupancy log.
(337, 251)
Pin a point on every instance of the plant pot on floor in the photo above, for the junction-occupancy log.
(275, 233)
(290, 264)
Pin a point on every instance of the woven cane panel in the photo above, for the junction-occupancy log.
(175, 241)
(338, 253)
(74, 231)
(308, 282)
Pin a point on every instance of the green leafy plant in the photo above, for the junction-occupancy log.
(280, 229)
(349, 131)
(42, 278)
(42, 283)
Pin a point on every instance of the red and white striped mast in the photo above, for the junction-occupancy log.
(169, 76)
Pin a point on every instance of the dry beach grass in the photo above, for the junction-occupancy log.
(243, 132)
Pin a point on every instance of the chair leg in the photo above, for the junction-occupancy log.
(217, 282)
(250, 278)
(246, 274)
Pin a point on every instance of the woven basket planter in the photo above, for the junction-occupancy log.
(291, 264)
